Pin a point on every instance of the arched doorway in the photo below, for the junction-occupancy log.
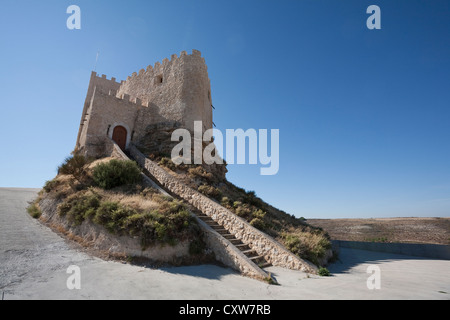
(120, 136)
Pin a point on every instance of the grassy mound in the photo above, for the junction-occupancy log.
(109, 193)
(295, 234)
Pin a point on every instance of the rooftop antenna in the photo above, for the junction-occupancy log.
(96, 60)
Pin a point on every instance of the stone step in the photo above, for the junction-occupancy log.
(256, 257)
(245, 249)
(265, 265)
(248, 251)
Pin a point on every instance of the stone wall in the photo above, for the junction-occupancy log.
(229, 255)
(178, 88)
(434, 251)
(223, 250)
(263, 244)
(174, 91)
(95, 83)
(105, 112)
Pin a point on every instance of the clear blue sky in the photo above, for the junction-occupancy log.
(364, 115)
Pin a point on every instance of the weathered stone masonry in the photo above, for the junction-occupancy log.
(265, 245)
(224, 251)
(176, 92)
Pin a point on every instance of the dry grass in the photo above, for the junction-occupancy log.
(58, 228)
(406, 230)
(93, 164)
(134, 201)
(306, 241)
(310, 245)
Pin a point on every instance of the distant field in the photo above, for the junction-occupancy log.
(406, 230)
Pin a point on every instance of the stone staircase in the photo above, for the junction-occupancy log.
(228, 249)
(234, 241)
(251, 254)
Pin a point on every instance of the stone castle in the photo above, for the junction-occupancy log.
(139, 115)
(169, 95)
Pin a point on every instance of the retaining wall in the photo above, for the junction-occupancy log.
(434, 251)
(263, 244)
(224, 251)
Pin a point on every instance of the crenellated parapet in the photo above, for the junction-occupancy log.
(175, 90)
(152, 74)
(127, 98)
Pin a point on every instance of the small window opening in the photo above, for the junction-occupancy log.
(159, 79)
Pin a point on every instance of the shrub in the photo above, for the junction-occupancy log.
(210, 191)
(134, 223)
(258, 220)
(199, 171)
(73, 165)
(80, 207)
(237, 204)
(243, 211)
(117, 220)
(116, 173)
(251, 198)
(307, 245)
(34, 211)
(168, 163)
(258, 224)
(259, 214)
(104, 212)
(226, 202)
(324, 272)
(50, 185)
(166, 224)
(294, 244)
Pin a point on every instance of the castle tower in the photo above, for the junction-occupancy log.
(172, 94)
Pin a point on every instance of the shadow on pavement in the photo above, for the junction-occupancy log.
(208, 271)
(349, 258)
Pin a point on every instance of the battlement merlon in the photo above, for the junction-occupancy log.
(159, 66)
